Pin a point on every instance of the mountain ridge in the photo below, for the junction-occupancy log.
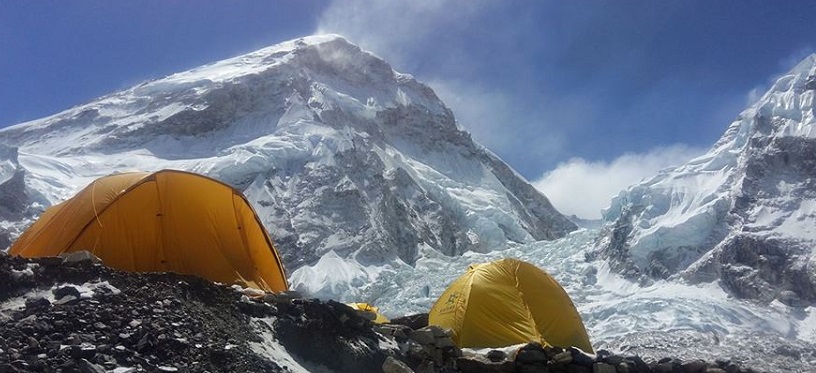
(739, 214)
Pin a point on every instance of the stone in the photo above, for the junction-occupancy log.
(444, 342)
(37, 303)
(665, 367)
(496, 355)
(86, 366)
(64, 291)
(637, 365)
(563, 357)
(65, 300)
(422, 336)
(613, 359)
(580, 358)
(478, 364)
(530, 356)
(399, 332)
(603, 368)
(417, 321)
(696, 366)
(392, 365)
(80, 256)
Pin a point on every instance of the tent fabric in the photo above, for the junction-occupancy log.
(365, 307)
(169, 220)
(508, 302)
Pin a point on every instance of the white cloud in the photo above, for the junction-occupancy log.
(583, 188)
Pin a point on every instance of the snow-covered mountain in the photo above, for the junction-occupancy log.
(744, 214)
(340, 155)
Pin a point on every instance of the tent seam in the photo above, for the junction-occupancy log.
(527, 306)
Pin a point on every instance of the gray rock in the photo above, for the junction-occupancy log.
(37, 303)
(563, 357)
(423, 336)
(444, 342)
(392, 365)
(663, 368)
(478, 364)
(438, 331)
(580, 358)
(696, 366)
(80, 256)
(603, 368)
(65, 300)
(496, 355)
(530, 356)
(66, 290)
(86, 366)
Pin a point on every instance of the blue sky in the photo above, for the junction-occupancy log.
(571, 93)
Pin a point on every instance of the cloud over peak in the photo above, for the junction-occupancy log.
(583, 188)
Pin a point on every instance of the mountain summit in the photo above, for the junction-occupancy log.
(744, 214)
(338, 153)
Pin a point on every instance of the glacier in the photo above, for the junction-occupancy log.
(665, 318)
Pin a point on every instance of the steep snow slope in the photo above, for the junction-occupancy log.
(337, 152)
(744, 214)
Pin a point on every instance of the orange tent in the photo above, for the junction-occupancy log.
(163, 221)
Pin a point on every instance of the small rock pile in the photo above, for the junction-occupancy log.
(427, 349)
(431, 349)
(535, 358)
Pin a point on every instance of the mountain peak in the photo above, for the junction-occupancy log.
(213, 99)
(262, 59)
(740, 214)
(337, 152)
(807, 66)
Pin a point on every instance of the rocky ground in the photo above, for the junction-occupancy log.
(76, 315)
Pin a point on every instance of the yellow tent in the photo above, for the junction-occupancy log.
(509, 302)
(164, 221)
(372, 310)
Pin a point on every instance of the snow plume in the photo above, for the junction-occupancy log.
(394, 29)
(490, 116)
(416, 35)
(583, 188)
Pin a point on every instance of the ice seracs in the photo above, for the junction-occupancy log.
(742, 214)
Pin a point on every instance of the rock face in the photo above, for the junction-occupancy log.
(15, 211)
(743, 214)
(337, 152)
